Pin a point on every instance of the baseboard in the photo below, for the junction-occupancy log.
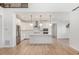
(63, 38)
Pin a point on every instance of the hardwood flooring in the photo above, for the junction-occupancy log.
(24, 48)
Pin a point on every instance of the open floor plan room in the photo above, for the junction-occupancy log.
(39, 29)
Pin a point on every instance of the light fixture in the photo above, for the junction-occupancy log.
(40, 21)
(40, 24)
(50, 21)
(31, 24)
(31, 21)
(50, 24)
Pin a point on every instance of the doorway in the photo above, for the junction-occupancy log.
(18, 34)
(54, 30)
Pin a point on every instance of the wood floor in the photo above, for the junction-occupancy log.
(24, 48)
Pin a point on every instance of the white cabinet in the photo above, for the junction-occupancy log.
(41, 39)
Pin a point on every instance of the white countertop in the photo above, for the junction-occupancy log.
(41, 35)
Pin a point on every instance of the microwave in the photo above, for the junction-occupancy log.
(45, 29)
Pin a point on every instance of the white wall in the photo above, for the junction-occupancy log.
(74, 29)
(0, 30)
(47, 7)
(62, 19)
(62, 31)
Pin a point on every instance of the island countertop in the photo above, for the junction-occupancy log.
(41, 34)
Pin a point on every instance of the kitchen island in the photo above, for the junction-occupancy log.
(41, 39)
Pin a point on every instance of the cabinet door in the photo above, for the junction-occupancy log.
(0, 30)
(8, 29)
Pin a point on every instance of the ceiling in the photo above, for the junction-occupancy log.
(59, 11)
(46, 7)
(55, 7)
(45, 17)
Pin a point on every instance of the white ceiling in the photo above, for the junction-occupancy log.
(55, 7)
(45, 17)
(60, 10)
(46, 7)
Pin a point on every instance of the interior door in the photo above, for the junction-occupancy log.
(18, 37)
(54, 30)
(8, 29)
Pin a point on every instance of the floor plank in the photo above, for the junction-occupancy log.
(24, 48)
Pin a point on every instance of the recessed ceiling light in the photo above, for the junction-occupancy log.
(50, 24)
(31, 24)
(40, 24)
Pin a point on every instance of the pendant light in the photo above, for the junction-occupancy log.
(50, 20)
(31, 21)
(40, 20)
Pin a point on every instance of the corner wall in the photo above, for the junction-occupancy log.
(74, 29)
